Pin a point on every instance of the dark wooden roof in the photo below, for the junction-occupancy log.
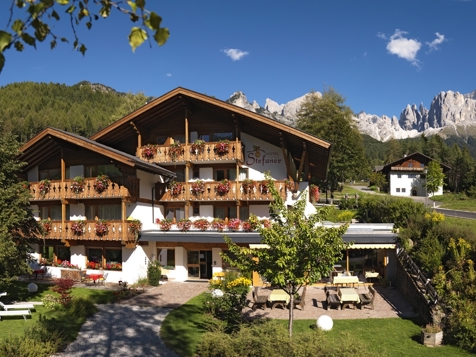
(417, 156)
(50, 141)
(202, 110)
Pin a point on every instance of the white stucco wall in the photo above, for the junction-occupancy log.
(147, 182)
(135, 263)
(143, 212)
(408, 184)
(216, 260)
(78, 256)
(181, 272)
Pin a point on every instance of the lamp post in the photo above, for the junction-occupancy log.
(426, 186)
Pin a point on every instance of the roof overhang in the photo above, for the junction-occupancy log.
(199, 237)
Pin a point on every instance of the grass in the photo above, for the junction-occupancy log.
(14, 326)
(456, 201)
(183, 327)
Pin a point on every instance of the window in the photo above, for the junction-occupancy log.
(95, 255)
(95, 170)
(63, 253)
(399, 175)
(222, 174)
(411, 176)
(410, 164)
(404, 190)
(225, 212)
(52, 174)
(222, 136)
(113, 255)
(422, 165)
(53, 212)
(243, 174)
(180, 175)
(398, 189)
(244, 213)
(60, 252)
(107, 212)
(166, 257)
(175, 212)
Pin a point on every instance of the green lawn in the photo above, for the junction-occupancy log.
(182, 328)
(456, 201)
(15, 325)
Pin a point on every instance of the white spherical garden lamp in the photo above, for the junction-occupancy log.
(32, 288)
(217, 293)
(325, 323)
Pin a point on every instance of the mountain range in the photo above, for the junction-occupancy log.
(451, 113)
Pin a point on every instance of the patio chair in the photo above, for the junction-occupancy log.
(301, 302)
(103, 279)
(367, 299)
(258, 301)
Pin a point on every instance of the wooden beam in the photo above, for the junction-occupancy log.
(285, 151)
(301, 164)
(139, 136)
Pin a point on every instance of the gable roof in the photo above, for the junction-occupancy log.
(50, 140)
(181, 101)
(417, 156)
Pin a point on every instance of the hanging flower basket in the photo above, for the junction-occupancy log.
(223, 187)
(135, 225)
(46, 225)
(175, 188)
(264, 187)
(149, 151)
(175, 150)
(222, 147)
(219, 224)
(234, 224)
(165, 224)
(314, 193)
(77, 186)
(184, 225)
(44, 186)
(289, 185)
(78, 227)
(248, 185)
(197, 188)
(101, 183)
(201, 224)
(198, 147)
(101, 228)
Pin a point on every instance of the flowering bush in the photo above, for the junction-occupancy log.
(46, 225)
(101, 228)
(149, 151)
(219, 224)
(184, 225)
(266, 223)
(254, 222)
(77, 186)
(175, 188)
(46, 261)
(201, 224)
(175, 150)
(44, 186)
(135, 225)
(94, 265)
(248, 185)
(234, 224)
(223, 187)
(314, 192)
(222, 147)
(78, 227)
(113, 266)
(101, 183)
(197, 147)
(67, 264)
(198, 188)
(165, 224)
(289, 185)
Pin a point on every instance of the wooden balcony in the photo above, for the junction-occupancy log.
(165, 155)
(118, 230)
(118, 188)
(211, 193)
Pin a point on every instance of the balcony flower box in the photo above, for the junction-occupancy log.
(94, 265)
(198, 147)
(77, 186)
(175, 150)
(101, 228)
(46, 226)
(101, 183)
(165, 224)
(222, 147)
(314, 193)
(149, 151)
(219, 224)
(135, 225)
(289, 184)
(248, 185)
(184, 225)
(234, 224)
(175, 188)
(223, 187)
(44, 187)
(197, 188)
(201, 224)
(78, 227)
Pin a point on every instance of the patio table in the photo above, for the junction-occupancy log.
(349, 297)
(278, 297)
(336, 280)
(95, 277)
(371, 275)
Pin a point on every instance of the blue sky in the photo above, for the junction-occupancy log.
(380, 55)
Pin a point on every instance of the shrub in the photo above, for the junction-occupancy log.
(154, 272)
(63, 288)
(82, 307)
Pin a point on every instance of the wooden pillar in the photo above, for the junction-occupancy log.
(238, 192)
(347, 260)
(63, 167)
(124, 218)
(187, 189)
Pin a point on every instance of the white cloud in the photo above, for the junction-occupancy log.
(437, 41)
(169, 74)
(403, 47)
(235, 54)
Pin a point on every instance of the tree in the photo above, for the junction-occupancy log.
(434, 177)
(300, 250)
(378, 179)
(329, 118)
(30, 21)
(17, 224)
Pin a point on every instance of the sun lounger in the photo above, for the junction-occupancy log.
(23, 313)
(16, 306)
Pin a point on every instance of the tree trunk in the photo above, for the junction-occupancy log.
(290, 322)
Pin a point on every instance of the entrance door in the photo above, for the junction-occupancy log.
(199, 264)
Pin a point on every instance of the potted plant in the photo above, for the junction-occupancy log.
(46, 226)
(248, 185)
(432, 335)
(175, 188)
(314, 192)
(197, 188)
(77, 186)
(264, 187)
(234, 224)
(198, 147)
(201, 224)
(101, 183)
(246, 226)
(165, 224)
(184, 225)
(175, 150)
(101, 228)
(222, 147)
(78, 227)
(135, 225)
(44, 187)
(219, 224)
(149, 151)
(93, 265)
(223, 187)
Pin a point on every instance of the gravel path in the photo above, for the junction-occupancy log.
(121, 330)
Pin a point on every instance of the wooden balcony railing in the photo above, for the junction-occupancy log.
(211, 193)
(165, 154)
(118, 230)
(62, 190)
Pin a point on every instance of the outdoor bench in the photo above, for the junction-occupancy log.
(333, 301)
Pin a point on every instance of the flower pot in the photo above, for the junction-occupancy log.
(432, 339)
